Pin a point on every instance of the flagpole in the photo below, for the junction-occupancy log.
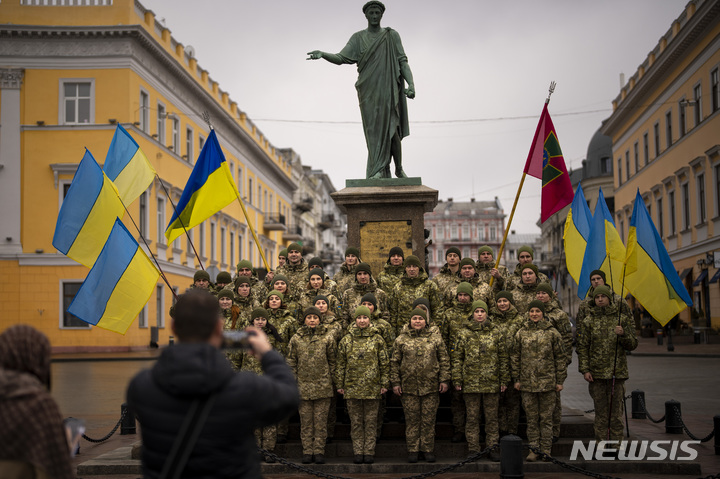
(177, 215)
(617, 340)
(551, 89)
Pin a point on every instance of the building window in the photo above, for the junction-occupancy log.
(251, 251)
(681, 117)
(265, 201)
(656, 131)
(190, 239)
(646, 148)
(259, 196)
(466, 232)
(622, 228)
(716, 169)
(189, 151)
(441, 258)
(250, 190)
(223, 246)
(175, 140)
(453, 232)
(605, 165)
(213, 240)
(627, 165)
(142, 318)
(619, 169)
(201, 143)
(240, 248)
(697, 97)
(201, 241)
(671, 207)
(160, 220)
(143, 214)
(702, 212)
(240, 180)
(636, 152)
(686, 206)
(492, 233)
(68, 320)
(77, 99)
(668, 129)
(160, 306)
(161, 115)
(232, 248)
(144, 113)
(715, 90)
(466, 252)
(660, 219)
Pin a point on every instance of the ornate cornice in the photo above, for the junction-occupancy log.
(11, 78)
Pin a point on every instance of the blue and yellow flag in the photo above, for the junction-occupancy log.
(209, 189)
(118, 285)
(87, 214)
(650, 274)
(127, 166)
(605, 251)
(577, 233)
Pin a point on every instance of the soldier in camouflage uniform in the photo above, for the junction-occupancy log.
(201, 280)
(413, 284)
(480, 369)
(345, 276)
(282, 257)
(245, 269)
(230, 313)
(606, 336)
(419, 371)
(314, 286)
(328, 283)
(450, 270)
(486, 268)
(597, 278)
(393, 269)
(525, 255)
(295, 270)
(560, 321)
(244, 299)
(468, 274)
(281, 283)
(312, 355)
(453, 323)
(280, 318)
(539, 370)
(526, 292)
(362, 377)
(223, 279)
(364, 284)
(336, 329)
(508, 321)
(266, 437)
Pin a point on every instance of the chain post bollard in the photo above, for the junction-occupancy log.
(127, 423)
(511, 457)
(673, 419)
(716, 428)
(659, 334)
(638, 399)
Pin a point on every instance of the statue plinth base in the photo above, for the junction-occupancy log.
(386, 212)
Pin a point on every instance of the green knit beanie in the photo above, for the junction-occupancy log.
(283, 253)
(280, 277)
(545, 287)
(603, 290)
(316, 272)
(352, 250)
(312, 310)
(453, 249)
(316, 262)
(363, 267)
(201, 275)
(396, 250)
(525, 249)
(418, 312)
(537, 304)
(277, 293)
(294, 247)
(226, 293)
(413, 260)
(485, 249)
(362, 311)
(530, 266)
(479, 304)
(464, 287)
(259, 313)
(244, 264)
(466, 262)
(505, 294)
(223, 277)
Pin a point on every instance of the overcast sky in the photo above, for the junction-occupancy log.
(482, 71)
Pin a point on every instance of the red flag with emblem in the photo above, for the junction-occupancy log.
(545, 161)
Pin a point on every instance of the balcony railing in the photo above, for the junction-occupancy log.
(304, 204)
(293, 233)
(274, 222)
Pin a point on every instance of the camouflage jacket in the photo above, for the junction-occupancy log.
(445, 277)
(385, 330)
(453, 320)
(249, 362)
(390, 277)
(508, 323)
(284, 322)
(596, 345)
(245, 305)
(362, 364)
(537, 361)
(514, 280)
(257, 289)
(560, 321)
(333, 326)
(406, 292)
(419, 362)
(483, 271)
(587, 304)
(311, 356)
(353, 296)
(481, 290)
(297, 275)
(344, 279)
(523, 295)
(329, 285)
(480, 360)
(307, 299)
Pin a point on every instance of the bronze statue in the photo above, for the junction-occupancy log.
(382, 72)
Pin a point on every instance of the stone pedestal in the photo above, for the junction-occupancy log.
(385, 213)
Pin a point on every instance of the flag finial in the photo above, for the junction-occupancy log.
(206, 118)
(551, 90)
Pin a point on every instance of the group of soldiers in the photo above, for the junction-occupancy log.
(491, 338)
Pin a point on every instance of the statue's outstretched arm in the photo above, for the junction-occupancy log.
(331, 57)
(407, 75)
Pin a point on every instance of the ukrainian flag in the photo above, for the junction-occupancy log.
(118, 285)
(87, 214)
(605, 250)
(650, 274)
(209, 189)
(576, 234)
(127, 166)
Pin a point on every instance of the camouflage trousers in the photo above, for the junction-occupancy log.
(600, 393)
(475, 405)
(363, 425)
(509, 410)
(457, 408)
(420, 414)
(266, 437)
(313, 425)
(539, 411)
(557, 415)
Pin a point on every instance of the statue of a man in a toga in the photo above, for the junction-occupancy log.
(382, 72)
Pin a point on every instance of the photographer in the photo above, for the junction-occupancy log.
(192, 392)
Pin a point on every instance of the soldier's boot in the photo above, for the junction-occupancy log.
(413, 457)
(429, 457)
(531, 457)
(319, 459)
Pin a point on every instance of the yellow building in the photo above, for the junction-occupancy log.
(68, 74)
(665, 130)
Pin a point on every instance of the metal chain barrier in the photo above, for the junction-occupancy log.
(105, 438)
(549, 458)
(642, 405)
(436, 472)
(687, 431)
(593, 410)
